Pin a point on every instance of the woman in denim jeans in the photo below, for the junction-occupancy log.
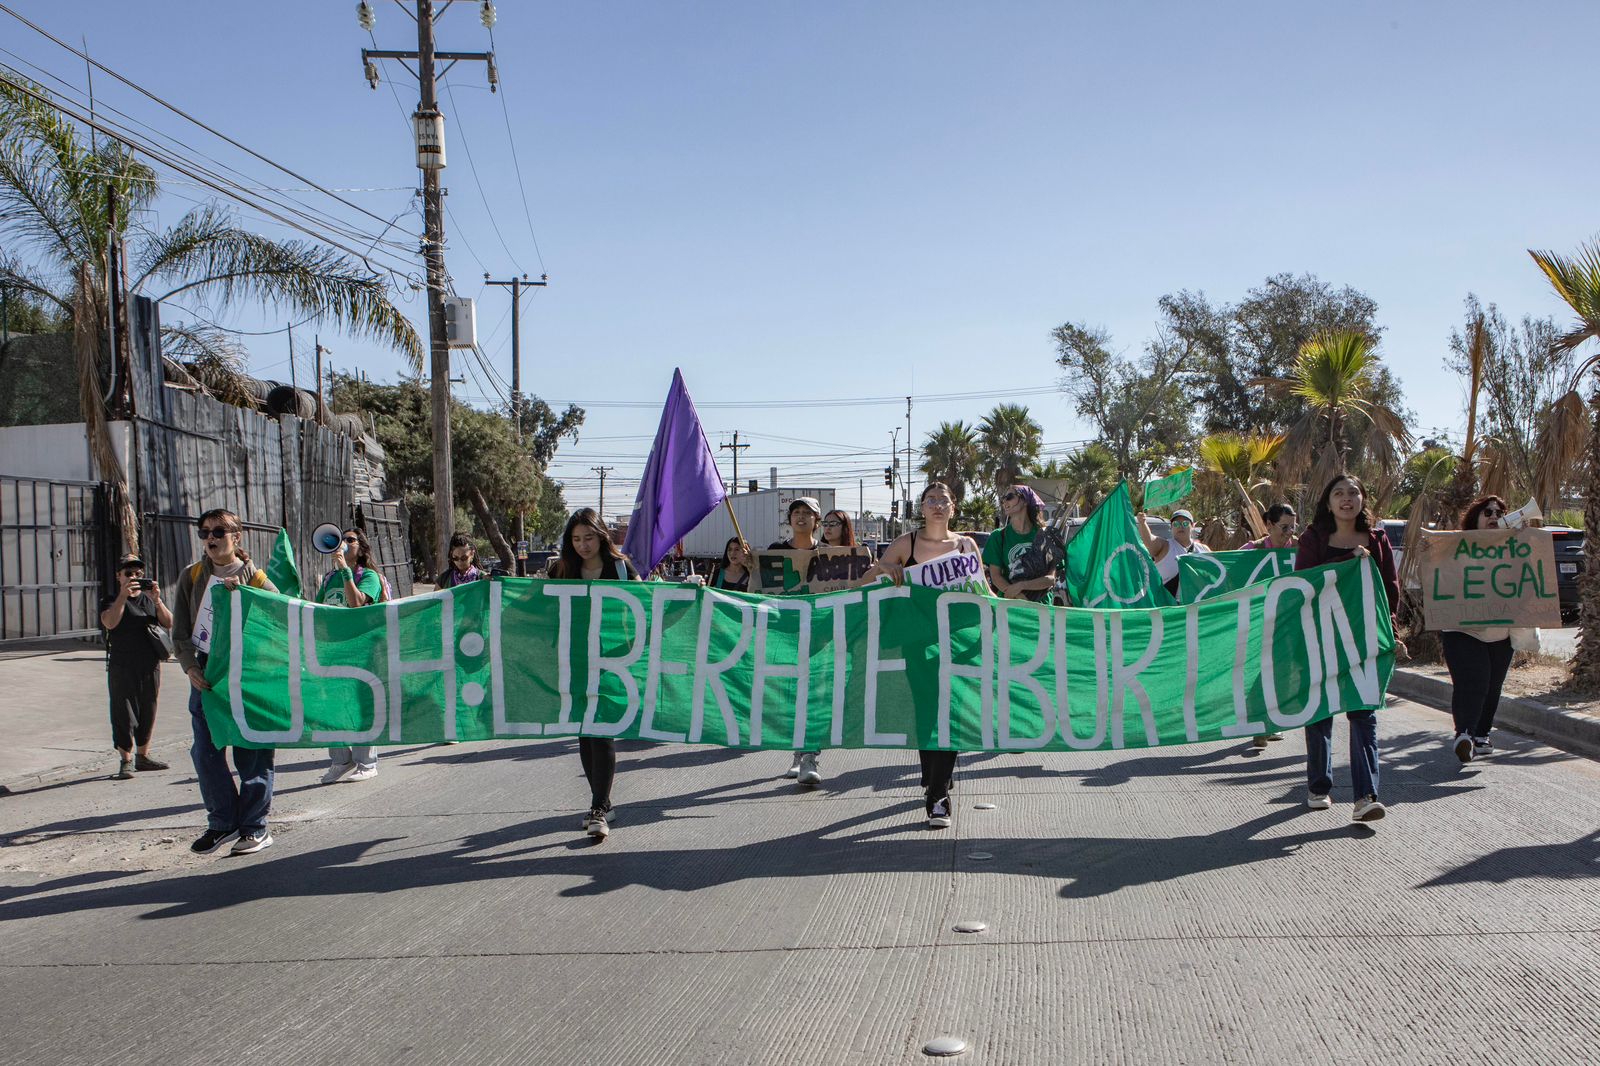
(1342, 528)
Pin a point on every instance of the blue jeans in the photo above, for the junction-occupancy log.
(1363, 754)
(228, 808)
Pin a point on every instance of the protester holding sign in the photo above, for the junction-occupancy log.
(1003, 552)
(588, 554)
(134, 653)
(232, 813)
(353, 582)
(837, 532)
(804, 514)
(1342, 528)
(1280, 530)
(1478, 659)
(733, 569)
(1165, 550)
(933, 541)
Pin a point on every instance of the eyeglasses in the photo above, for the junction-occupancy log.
(832, 523)
(215, 533)
(938, 504)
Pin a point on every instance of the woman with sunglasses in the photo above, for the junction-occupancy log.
(1478, 659)
(1280, 530)
(1003, 552)
(134, 654)
(1342, 528)
(463, 568)
(588, 554)
(353, 582)
(1164, 551)
(933, 541)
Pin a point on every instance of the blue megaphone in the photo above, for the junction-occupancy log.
(326, 537)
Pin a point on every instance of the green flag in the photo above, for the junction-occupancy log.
(1107, 564)
(1166, 491)
(1202, 575)
(281, 569)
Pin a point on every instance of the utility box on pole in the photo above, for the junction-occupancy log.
(460, 322)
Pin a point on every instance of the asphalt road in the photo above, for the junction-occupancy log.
(1170, 906)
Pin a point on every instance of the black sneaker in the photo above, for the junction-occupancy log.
(939, 813)
(211, 840)
(145, 762)
(252, 842)
(124, 771)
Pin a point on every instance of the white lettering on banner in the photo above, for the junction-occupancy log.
(1313, 659)
(616, 665)
(1022, 674)
(837, 602)
(1105, 579)
(877, 664)
(1272, 563)
(657, 667)
(982, 671)
(1221, 576)
(1063, 706)
(709, 675)
(564, 595)
(1102, 695)
(1191, 670)
(1337, 633)
(1241, 726)
(297, 718)
(382, 696)
(398, 669)
(764, 669)
(1124, 678)
(497, 672)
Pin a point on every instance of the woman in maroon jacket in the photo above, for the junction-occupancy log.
(1341, 528)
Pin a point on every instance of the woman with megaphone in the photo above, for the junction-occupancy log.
(353, 582)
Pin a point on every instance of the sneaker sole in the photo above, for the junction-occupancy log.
(596, 835)
(1463, 750)
(263, 846)
(810, 781)
(1310, 805)
(1369, 816)
(938, 823)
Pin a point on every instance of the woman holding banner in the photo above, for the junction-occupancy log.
(1280, 530)
(933, 541)
(1164, 551)
(1478, 659)
(805, 512)
(1003, 552)
(588, 554)
(1342, 528)
(837, 531)
(733, 569)
(354, 581)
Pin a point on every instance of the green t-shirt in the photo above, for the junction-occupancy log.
(1005, 546)
(332, 591)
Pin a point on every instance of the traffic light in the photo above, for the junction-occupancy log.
(888, 476)
(894, 508)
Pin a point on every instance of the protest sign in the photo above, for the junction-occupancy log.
(790, 572)
(882, 667)
(956, 571)
(1489, 577)
(1203, 575)
(1166, 491)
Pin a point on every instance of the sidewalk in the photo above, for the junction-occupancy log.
(1572, 728)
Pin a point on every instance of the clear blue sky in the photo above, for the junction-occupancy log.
(814, 201)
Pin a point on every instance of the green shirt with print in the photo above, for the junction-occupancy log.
(332, 591)
(1005, 546)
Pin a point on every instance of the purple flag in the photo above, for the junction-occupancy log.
(681, 483)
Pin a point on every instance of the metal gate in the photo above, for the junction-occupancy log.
(54, 557)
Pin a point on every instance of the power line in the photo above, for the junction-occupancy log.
(522, 185)
(858, 401)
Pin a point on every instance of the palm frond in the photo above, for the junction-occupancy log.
(1563, 443)
(15, 276)
(213, 357)
(1576, 279)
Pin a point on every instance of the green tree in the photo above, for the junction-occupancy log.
(1010, 440)
(1335, 380)
(1090, 474)
(1573, 441)
(951, 454)
(1138, 409)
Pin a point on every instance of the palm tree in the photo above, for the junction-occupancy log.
(1576, 280)
(1089, 475)
(950, 454)
(1336, 377)
(69, 205)
(1010, 439)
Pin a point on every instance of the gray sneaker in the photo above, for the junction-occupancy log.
(594, 823)
(809, 774)
(794, 767)
(1462, 746)
(1319, 801)
(253, 841)
(1367, 809)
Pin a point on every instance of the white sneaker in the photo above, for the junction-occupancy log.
(809, 774)
(594, 823)
(1367, 809)
(794, 767)
(939, 814)
(362, 773)
(1462, 746)
(1481, 747)
(1272, 736)
(1319, 801)
(336, 772)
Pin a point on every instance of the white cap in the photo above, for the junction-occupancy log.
(808, 501)
(1181, 513)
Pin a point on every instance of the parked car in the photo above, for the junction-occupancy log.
(1395, 529)
(1569, 567)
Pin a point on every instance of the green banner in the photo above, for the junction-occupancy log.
(1166, 491)
(1205, 575)
(1107, 562)
(880, 667)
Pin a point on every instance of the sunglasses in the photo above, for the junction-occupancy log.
(352, 540)
(461, 558)
(215, 533)
(1008, 496)
(1493, 512)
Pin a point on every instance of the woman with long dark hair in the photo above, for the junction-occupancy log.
(1478, 659)
(354, 581)
(1342, 528)
(837, 530)
(1003, 552)
(733, 569)
(463, 568)
(934, 540)
(589, 554)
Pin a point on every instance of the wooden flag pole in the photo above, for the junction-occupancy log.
(727, 502)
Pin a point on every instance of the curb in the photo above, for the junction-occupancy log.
(1556, 726)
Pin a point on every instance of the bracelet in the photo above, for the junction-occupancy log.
(345, 572)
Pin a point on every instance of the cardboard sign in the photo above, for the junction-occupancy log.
(950, 572)
(789, 572)
(1488, 578)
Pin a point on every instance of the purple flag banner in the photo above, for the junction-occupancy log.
(681, 484)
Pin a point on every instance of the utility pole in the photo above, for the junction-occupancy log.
(894, 471)
(516, 285)
(429, 126)
(602, 471)
(736, 448)
(906, 507)
(322, 410)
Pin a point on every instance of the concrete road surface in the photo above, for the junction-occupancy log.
(1171, 906)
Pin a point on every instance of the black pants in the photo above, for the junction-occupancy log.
(1478, 670)
(938, 767)
(133, 704)
(599, 758)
